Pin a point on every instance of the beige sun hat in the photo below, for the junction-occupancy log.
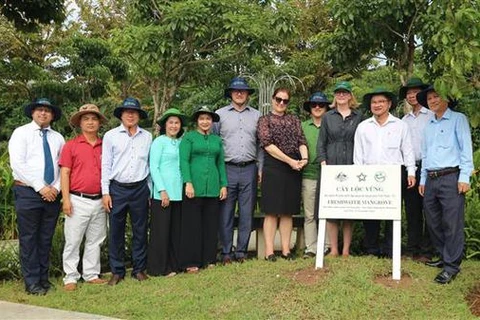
(86, 108)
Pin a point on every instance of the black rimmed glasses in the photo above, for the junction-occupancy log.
(280, 100)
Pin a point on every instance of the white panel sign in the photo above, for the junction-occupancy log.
(360, 192)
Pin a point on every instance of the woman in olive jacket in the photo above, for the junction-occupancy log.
(202, 165)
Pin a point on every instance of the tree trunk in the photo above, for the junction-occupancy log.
(410, 55)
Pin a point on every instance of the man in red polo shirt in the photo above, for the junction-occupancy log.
(80, 174)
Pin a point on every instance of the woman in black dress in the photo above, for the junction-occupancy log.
(335, 146)
(281, 136)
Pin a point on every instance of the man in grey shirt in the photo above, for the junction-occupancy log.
(238, 129)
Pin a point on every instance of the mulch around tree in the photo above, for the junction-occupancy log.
(473, 300)
(309, 276)
(386, 280)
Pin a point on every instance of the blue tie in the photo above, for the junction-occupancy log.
(47, 154)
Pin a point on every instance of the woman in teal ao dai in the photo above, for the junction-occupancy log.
(166, 208)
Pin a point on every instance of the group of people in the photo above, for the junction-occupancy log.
(183, 189)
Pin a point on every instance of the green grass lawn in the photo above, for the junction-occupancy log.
(345, 289)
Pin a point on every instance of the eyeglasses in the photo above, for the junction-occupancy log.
(280, 100)
(317, 105)
(341, 93)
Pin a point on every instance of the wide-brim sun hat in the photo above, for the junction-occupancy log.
(379, 91)
(86, 109)
(343, 85)
(411, 83)
(237, 83)
(42, 102)
(316, 98)
(172, 112)
(131, 104)
(202, 110)
(422, 98)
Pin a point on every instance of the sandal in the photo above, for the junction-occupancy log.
(288, 256)
(192, 270)
(271, 258)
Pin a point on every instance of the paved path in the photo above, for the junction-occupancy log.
(15, 311)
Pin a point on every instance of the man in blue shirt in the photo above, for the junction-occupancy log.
(447, 163)
(125, 188)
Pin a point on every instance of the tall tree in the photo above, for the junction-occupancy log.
(168, 41)
(28, 14)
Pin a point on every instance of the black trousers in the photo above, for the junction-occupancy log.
(371, 240)
(418, 239)
(199, 234)
(36, 221)
(164, 244)
(135, 201)
(444, 210)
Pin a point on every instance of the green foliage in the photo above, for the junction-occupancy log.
(8, 226)
(472, 213)
(27, 14)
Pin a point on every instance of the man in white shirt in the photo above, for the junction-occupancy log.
(34, 150)
(383, 139)
(416, 117)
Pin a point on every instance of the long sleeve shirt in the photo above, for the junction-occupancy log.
(389, 143)
(165, 167)
(27, 161)
(202, 163)
(416, 124)
(335, 142)
(125, 157)
(447, 142)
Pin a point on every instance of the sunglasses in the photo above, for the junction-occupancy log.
(280, 100)
(317, 105)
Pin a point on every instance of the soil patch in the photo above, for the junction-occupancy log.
(386, 280)
(473, 300)
(309, 276)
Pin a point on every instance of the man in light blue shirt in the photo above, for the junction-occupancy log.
(125, 188)
(447, 164)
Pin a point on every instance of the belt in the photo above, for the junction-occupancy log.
(87, 195)
(433, 174)
(240, 164)
(129, 185)
(20, 183)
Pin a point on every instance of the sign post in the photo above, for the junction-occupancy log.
(355, 192)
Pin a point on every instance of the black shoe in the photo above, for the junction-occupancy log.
(35, 289)
(240, 259)
(288, 256)
(115, 279)
(326, 251)
(226, 260)
(308, 255)
(45, 284)
(444, 277)
(271, 258)
(435, 263)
